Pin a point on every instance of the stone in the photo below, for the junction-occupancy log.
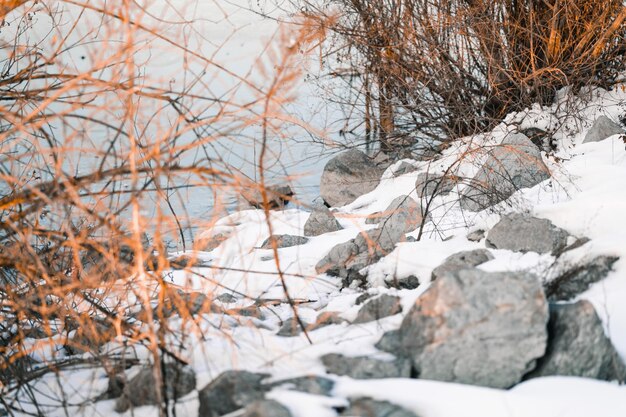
(576, 280)
(314, 385)
(476, 235)
(326, 318)
(391, 341)
(403, 214)
(347, 176)
(277, 195)
(403, 168)
(512, 166)
(603, 128)
(231, 391)
(142, 388)
(284, 241)
(334, 263)
(378, 308)
(522, 233)
(367, 407)
(428, 184)
(410, 282)
(374, 218)
(364, 367)
(321, 221)
(462, 260)
(290, 328)
(542, 139)
(226, 298)
(475, 327)
(347, 259)
(577, 346)
(207, 244)
(266, 408)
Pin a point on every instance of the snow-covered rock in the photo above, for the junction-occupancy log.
(513, 165)
(603, 128)
(462, 260)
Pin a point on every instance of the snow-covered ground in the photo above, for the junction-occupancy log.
(586, 196)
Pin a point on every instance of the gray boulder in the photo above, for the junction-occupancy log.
(578, 279)
(231, 391)
(142, 388)
(603, 128)
(428, 184)
(378, 308)
(266, 408)
(577, 346)
(462, 260)
(404, 168)
(315, 385)
(321, 221)
(364, 367)
(347, 176)
(367, 407)
(522, 233)
(513, 165)
(475, 327)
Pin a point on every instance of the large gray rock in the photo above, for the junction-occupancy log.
(347, 176)
(364, 367)
(475, 327)
(513, 165)
(428, 184)
(577, 346)
(284, 241)
(462, 260)
(321, 221)
(378, 308)
(579, 278)
(231, 391)
(603, 128)
(522, 233)
(142, 388)
(266, 408)
(367, 407)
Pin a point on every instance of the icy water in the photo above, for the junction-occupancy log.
(235, 35)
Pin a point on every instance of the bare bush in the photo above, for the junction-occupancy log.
(446, 69)
(108, 122)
